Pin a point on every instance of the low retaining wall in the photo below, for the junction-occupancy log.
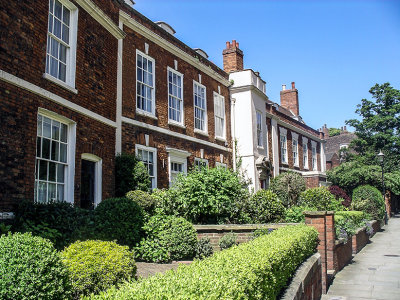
(243, 232)
(359, 239)
(306, 283)
(376, 226)
(342, 254)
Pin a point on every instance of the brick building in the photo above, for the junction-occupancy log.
(174, 104)
(81, 80)
(271, 138)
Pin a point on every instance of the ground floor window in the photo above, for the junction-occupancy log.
(200, 163)
(177, 162)
(148, 156)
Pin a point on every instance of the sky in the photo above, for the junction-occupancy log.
(334, 51)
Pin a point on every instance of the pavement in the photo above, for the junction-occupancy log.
(374, 272)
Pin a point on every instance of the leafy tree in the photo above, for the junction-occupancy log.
(333, 131)
(130, 174)
(288, 186)
(379, 127)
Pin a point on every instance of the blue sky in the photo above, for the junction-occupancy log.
(335, 51)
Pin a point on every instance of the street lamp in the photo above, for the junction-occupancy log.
(381, 159)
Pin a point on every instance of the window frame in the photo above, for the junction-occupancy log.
(220, 165)
(139, 110)
(198, 130)
(154, 151)
(259, 130)
(305, 154)
(198, 161)
(284, 154)
(314, 157)
(295, 140)
(172, 121)
(69, 169)
(176, 156)
(222, 98)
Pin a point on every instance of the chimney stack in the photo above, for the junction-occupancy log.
(233, 57)
(290, 99)
(325, 130)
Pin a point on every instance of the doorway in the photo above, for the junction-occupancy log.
(88, 177)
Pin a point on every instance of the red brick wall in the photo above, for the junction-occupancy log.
(163, 60)
(132, 135)
(23, 39)
(342, 254)
(19, 110)
(359, 240)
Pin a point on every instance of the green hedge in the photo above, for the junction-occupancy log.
(255, 270)
(95, 266)
(370, 200)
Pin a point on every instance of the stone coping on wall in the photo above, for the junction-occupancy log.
(239, 227)
(306, 280)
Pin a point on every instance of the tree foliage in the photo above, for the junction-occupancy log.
(379, 127)
(333, 131)
(288, 186)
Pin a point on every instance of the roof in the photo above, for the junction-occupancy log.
(333, 143)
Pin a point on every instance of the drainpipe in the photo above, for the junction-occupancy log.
(233, 113)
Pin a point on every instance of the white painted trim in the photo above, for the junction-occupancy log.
(71, 148)
(305, 173)
(323, 157)
(60, 83)
(171, 121)
(275, 146)
(174, 134)
(149, 149)
(177, 156)
(295, 136)
(102, 18)
(147, 33)
(153, 106)
(7, 77)
(178, 152)
(205, 131)
(98, 170)
(283, 131)
(118, 131)
(295, 139)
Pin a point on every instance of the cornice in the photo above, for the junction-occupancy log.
(104, 20)
(147, 33)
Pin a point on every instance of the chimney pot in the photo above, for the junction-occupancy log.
(234, 43)
(345, 129)
(293, 87)
(232, 57)
(228, 45)
(283, 87)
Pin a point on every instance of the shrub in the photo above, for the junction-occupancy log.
(203, 248)
(60, 222)
(95, 266)
(130, 174)
(208, 196)
(31, 268)
(288, 186)
(347, 222)
(167, 238)
(370, 200)
(227, 241)
(260, 232)
(255, 270)
(119, 219)
(146, 201)
(340, 194)
(264, 206)
(320, 198)
(295, 214)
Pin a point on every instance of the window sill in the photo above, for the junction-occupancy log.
(176, 124)
(145, 114)
(60, 83)
(198, 131)
(260, 147)
(221, 139)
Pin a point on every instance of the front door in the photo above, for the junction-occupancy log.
(87, 184)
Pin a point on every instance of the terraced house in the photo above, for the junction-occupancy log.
(81, 80)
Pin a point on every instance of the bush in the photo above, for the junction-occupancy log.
(347, 222)
(144, 199)
(119, 219)
(320, 198)
(130, 174)
(370, 200)
(60, 222)
(31, 268)
(95, 266)
(203, 248)
(260, 232)
(295, 214)
(167, 238)
(340, 194)
(208, 196)
(288, 186)
(227, 241)
(264, 206)
(255, 270)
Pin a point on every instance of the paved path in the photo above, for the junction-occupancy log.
(374, 272)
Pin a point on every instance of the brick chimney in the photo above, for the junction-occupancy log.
(325, 130)
(290, 99)
(233, 57)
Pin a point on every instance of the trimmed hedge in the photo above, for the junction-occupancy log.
(95, 266)
(255, 270)
(31, 268)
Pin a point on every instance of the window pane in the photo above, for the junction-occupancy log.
(42, 195)
(38, 147)
(65, 34)
(55, 131)
(63, 71)
(139, 76)
(60, 173)
(58, 9)
(57, 28)
(63, 53)
(52, 171)
(52, 192)
(150, 68)
(66, 16)
(46, 127)
(51, 5)
(46, 148)
(63, 153)
(139, 61)
(55, 150)
(50, 24)
(64, 133)
(53, 67)
(42, 170)
(60, 192)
